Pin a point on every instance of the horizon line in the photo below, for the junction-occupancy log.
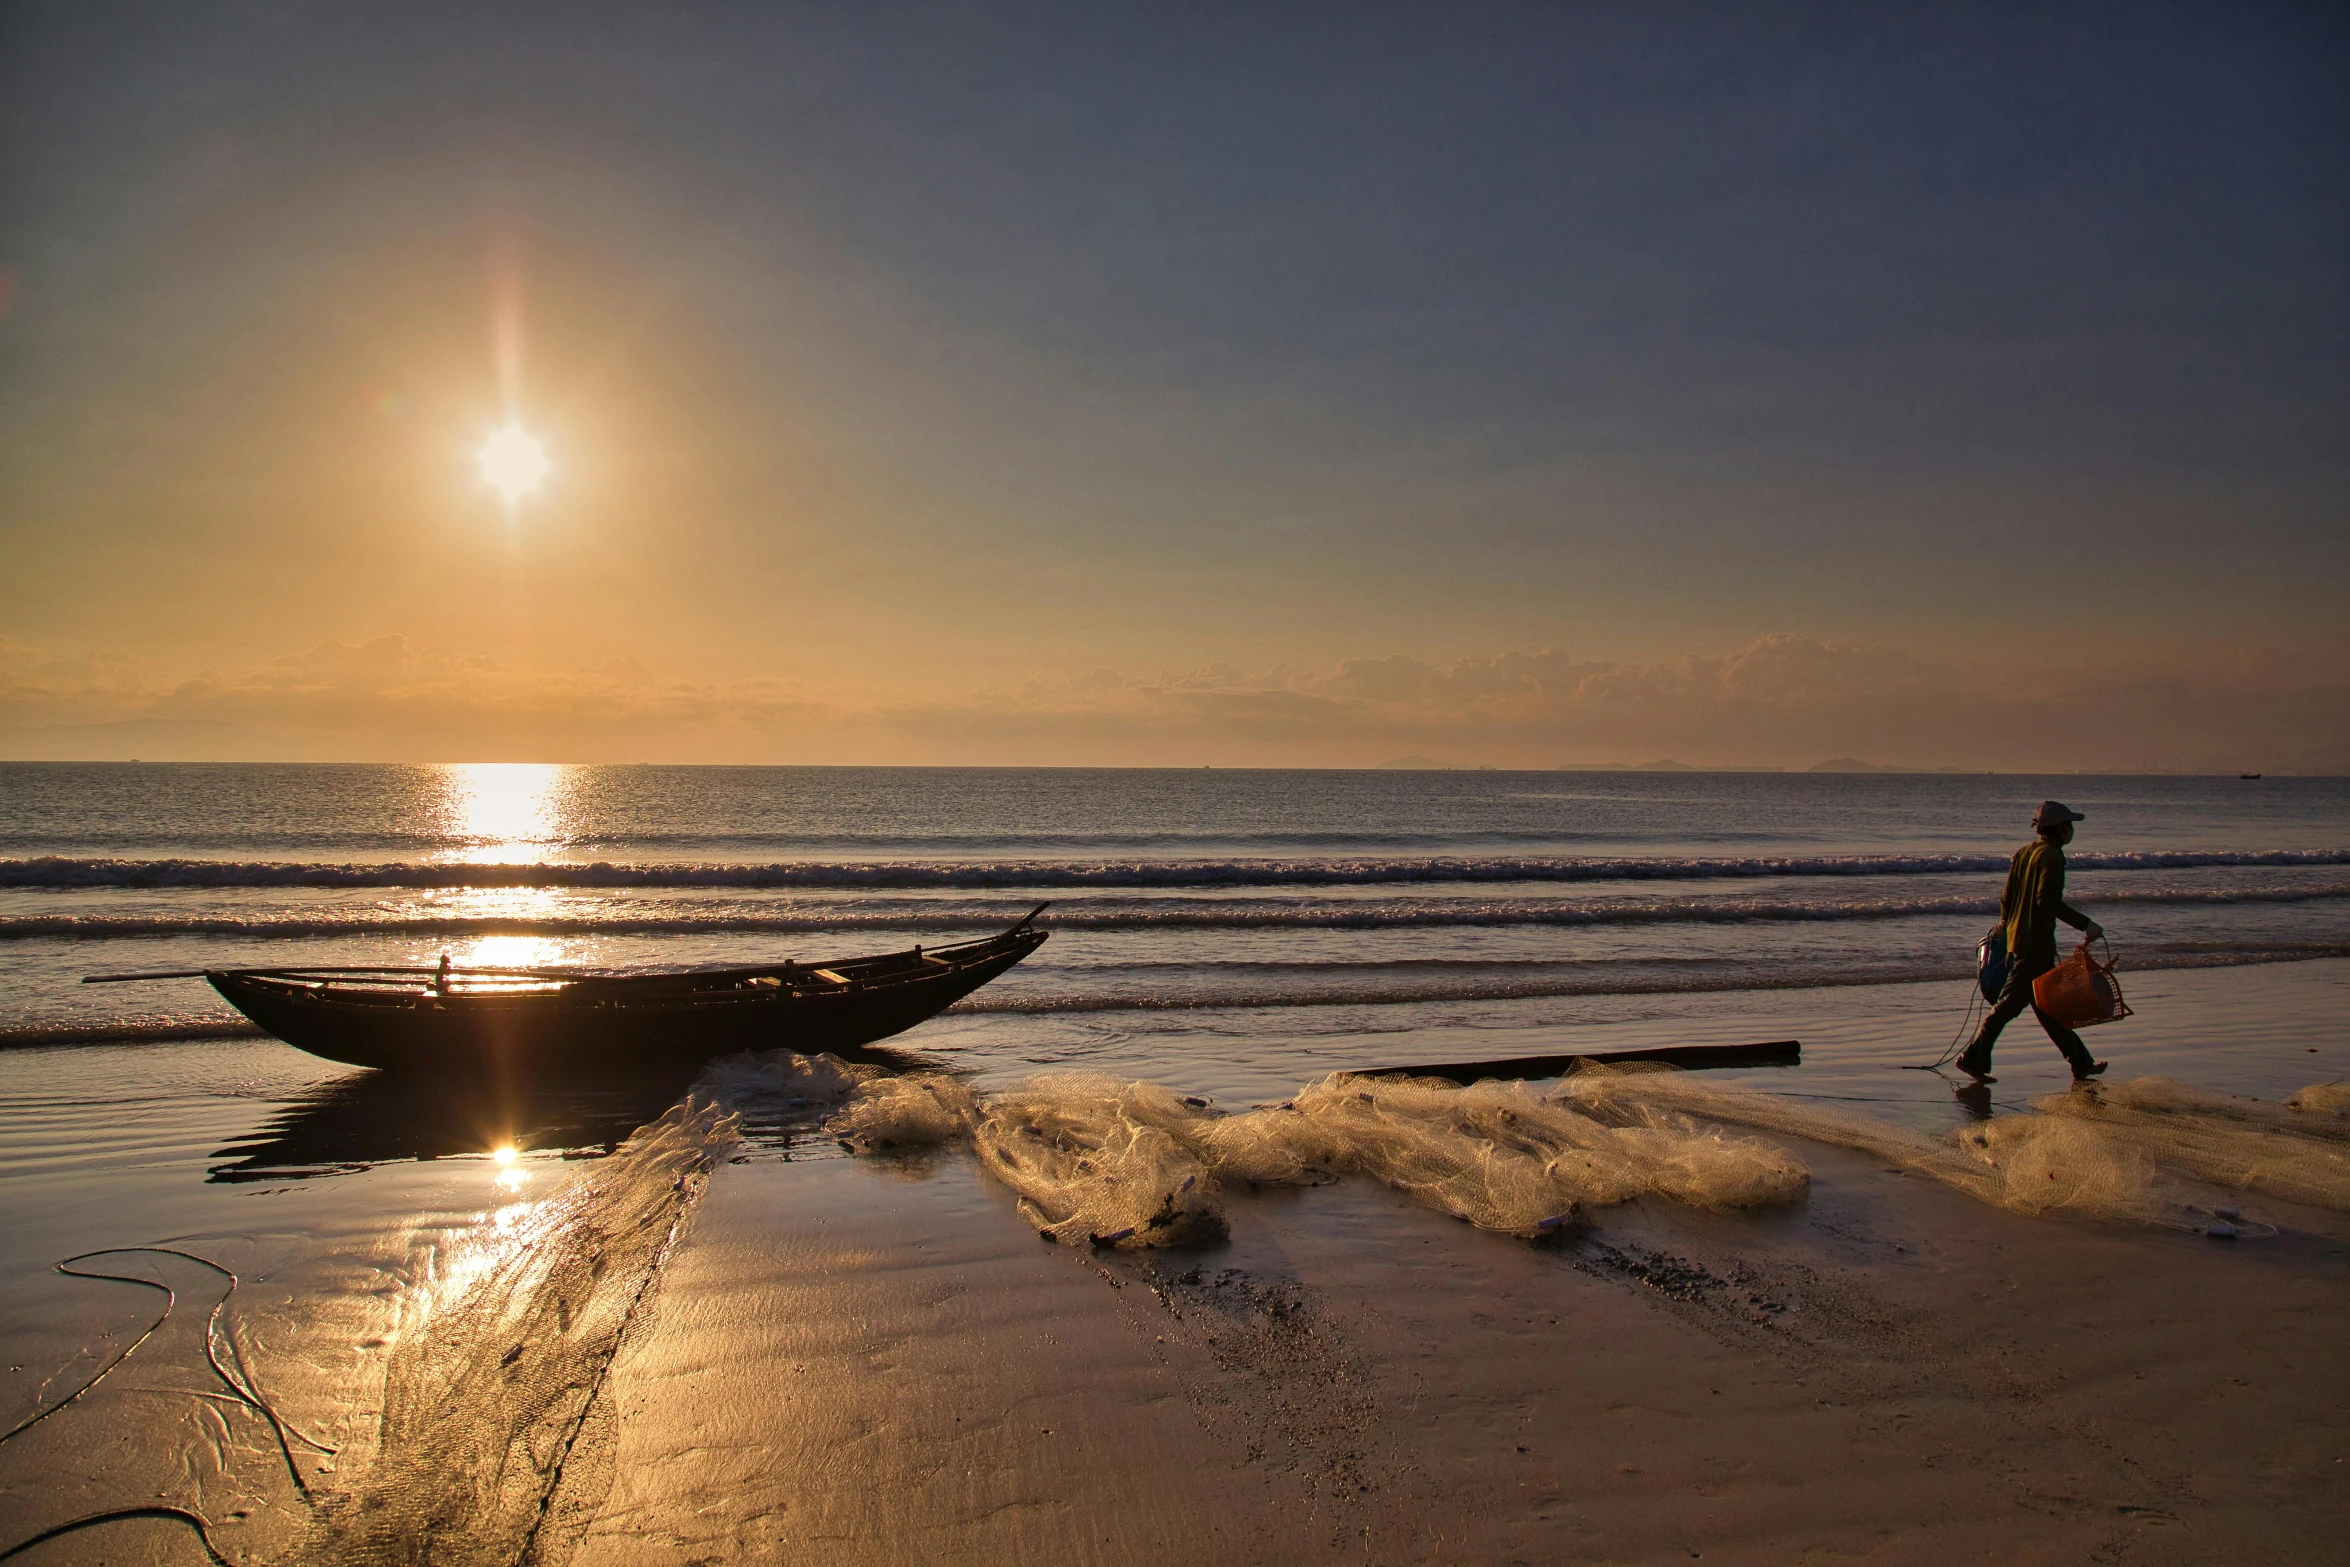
(1661, 768)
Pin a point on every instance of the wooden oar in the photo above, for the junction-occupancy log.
(1777, 1052)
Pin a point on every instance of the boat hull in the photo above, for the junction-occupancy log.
(614, 1023)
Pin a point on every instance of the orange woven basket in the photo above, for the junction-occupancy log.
(2081, 992)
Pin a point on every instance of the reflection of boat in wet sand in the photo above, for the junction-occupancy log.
(509, 1020)
(372, 1118)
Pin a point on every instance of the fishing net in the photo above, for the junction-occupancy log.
(2227, 1141)
(493, 1382)
(2026, 1164)
(905, 1112)
(1393, 1133)
(2300, 1115)
(2330, 1100)
(785, 1078)
(1501, 1157)
(1133, 1164)
(1093, 1159)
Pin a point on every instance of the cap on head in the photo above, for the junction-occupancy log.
(2054, 812)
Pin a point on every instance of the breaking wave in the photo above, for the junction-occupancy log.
(1347, 984)
(1154, 914)
(53, 871)
(1651, 978)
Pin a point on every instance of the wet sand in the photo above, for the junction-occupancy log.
(860, 1364)
(874, 1359)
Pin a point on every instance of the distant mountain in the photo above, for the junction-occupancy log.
(1655, 767)
(1853, 764)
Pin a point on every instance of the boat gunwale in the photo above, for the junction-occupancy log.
(389, 987)
(954, 956)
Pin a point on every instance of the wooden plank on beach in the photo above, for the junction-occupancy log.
(1777, 1052)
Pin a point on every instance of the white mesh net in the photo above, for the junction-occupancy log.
(2228, 1141)
(2028, 1164)
(1134, 1165)
(2328, 1100)
(905, 1112)
(784, 1078)
(2124, 1152)
(489, 1387)
(1096, 1160)
(1500, 1156)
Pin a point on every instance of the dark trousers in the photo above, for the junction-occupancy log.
(2014, 996)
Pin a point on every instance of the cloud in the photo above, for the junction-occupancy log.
(1781, 700)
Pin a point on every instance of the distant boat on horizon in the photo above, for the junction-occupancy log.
(2247, 775)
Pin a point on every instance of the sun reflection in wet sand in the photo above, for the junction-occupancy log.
(511, 1177)
(503, 1352)
(498, 1236)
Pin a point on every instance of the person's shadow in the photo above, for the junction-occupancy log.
(1974, 1099)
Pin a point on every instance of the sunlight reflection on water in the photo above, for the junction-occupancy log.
(516, 952)
(505, 813)
(509, 813)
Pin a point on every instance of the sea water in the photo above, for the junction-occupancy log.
(1230, 937)
(1227, 931)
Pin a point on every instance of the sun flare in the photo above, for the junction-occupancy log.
(513, 462)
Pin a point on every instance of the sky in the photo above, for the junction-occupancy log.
(1527, 385)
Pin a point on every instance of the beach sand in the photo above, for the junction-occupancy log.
(855, 1363)
(707, 1352)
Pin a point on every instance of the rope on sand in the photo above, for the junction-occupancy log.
(240, 1383)
(193, 1520)
(1966, 1026)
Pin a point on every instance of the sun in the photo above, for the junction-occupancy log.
(513, 462)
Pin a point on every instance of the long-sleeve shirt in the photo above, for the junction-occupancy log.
(2033, 901)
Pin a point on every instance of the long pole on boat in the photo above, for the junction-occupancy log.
(126, 979)
(199, 973)
(501, 973)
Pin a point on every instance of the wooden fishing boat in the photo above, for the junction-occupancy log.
(514, 1021)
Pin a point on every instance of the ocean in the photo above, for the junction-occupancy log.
(1388, 901)
(1228, 932)
(1230, 935)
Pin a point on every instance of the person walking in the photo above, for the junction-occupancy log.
(2030, 905)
